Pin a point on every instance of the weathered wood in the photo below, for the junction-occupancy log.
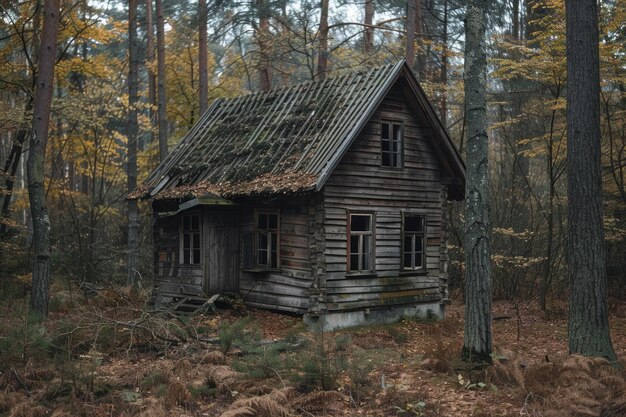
(360, 183)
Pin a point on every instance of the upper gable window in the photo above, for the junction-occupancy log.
(391, 143)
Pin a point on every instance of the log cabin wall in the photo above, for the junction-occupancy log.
(285, 288)
(360, 184)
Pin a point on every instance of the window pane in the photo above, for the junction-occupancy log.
(407, 260)
(186, 256)
(413, 223)
(262, 241)
(195, 222)
(272, 221)
(186, 223)
(186, 241)
(419, 256)
(396, 160)
(386, 159)
(262, 257)
(385, 131)
(262, 223)
(397, 132)
(408, 243)
(354, 244)
(196, 256)
(273, 259)
(354, 262)
(196, 241)
(419, 244)
(384, 145)
(366, 244)
(360, 223)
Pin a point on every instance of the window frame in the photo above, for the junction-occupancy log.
(423, 234)
(400, 153)
(257, 233)
(372, 251)
(191, 232)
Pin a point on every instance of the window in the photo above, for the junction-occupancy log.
(190, 247)
(360, 243)
(391, 144)
(413, 241)
(267, 240)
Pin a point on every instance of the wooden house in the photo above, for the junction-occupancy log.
(325, 199)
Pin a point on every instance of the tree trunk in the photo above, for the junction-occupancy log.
(588, 311)
(368, 34)
(477, 339)
(263, 40)
(36, 157)
(410, 32)
(322, 58)
(444, 66)
(203, 56)
(132, 135)
(152, 84)
(162, 105)
(420, 56)
(516, 27)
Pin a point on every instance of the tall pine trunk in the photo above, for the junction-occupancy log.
(588, 311)
(477, 339)
(36, 157)
(322, 57)
(152, 84)
(132, 134)
(368, 34)
(264, 68)
(409, 54)
(162, 83)
(203, 56)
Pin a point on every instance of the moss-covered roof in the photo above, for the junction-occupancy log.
(283, 141)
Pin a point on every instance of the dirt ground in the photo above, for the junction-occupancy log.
(188, 367)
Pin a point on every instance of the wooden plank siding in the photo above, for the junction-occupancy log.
(360, 183)
(286, 288)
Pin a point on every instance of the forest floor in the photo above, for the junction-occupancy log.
(103, 356)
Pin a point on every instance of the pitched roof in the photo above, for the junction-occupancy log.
(286, 140)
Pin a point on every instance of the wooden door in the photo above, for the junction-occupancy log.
(222, 253)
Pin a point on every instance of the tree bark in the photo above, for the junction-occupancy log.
(132, 135)
(203, 56)
(420, 57)
(322, 58)
(410, 32)
(516, 26)
(162, 83)
(36, 157)
(152, 84)
(263, 39)
(368, 34)
(444, 66)
(588, 327)
(477, 337)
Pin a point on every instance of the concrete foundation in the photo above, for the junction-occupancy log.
(368, 317)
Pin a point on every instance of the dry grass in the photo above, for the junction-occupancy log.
(573, 386)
